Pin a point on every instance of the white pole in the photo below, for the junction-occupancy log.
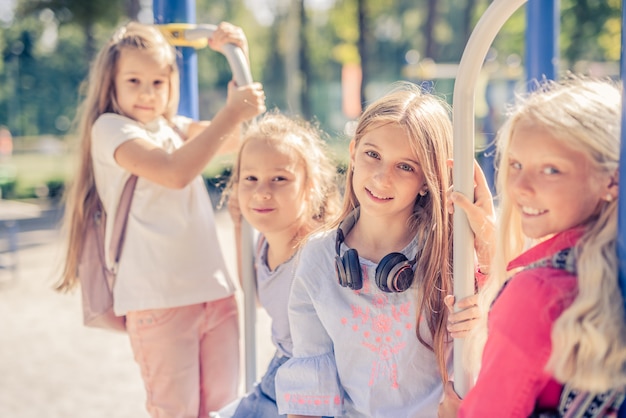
(241, 74)
(463, 129)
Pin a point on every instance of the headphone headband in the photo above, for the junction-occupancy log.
(345, 226)
(394, 272)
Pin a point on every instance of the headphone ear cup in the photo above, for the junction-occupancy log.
(340, 270)
(394, 273)
(352, 268)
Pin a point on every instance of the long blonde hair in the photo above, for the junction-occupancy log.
(589, 338)
(82, 197)
(426, 119)
(306, 142)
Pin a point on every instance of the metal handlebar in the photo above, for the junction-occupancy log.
(196, 36)
(470, 65)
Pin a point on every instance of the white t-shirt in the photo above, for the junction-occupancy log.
(171, 254)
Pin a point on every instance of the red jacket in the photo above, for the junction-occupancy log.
(512, 381)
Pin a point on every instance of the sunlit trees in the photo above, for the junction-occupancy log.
(298, 49)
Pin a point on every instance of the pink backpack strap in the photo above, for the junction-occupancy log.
(121, 216)
(179, 131)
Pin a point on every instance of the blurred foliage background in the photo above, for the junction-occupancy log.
(307, 53)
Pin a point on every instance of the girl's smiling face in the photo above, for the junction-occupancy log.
(387, 174)
(554, 187)
(142, 85)
(272, 187)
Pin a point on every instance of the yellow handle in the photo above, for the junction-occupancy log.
(175, 33)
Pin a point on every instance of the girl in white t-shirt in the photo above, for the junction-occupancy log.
(284, 184)
(171, 284)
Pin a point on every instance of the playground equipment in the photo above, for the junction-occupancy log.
(177, 22)
(463, 151)
(196, 36)
(541, 54)
(621, 225)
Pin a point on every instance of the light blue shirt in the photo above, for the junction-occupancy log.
(356, 353)
(273, 287)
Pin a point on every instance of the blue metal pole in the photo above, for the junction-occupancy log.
(621, 203)
(621, 245)
(179, 11)
(542, 39)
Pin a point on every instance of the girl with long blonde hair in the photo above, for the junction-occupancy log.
(552, 323)
(366, 309)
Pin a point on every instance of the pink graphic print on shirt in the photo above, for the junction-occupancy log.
(312, 400)
(382, 327)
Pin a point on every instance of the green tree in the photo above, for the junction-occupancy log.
(46, 53)
(591, 30)
(40, 86)
(304, 67)
(86, 14)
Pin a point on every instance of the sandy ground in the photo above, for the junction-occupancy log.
(50, 364)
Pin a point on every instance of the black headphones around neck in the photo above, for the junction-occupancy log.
(394, 273)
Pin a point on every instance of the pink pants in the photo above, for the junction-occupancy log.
(188, 356)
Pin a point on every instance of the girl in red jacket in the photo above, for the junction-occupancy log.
(554, 335)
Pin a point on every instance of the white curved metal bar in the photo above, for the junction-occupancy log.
(241, 73)
(463, 172)
(234, 54)
(249, 300)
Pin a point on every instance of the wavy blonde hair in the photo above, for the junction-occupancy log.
(426, 120)
(305, 142)
(589, 338)
(100, 97)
